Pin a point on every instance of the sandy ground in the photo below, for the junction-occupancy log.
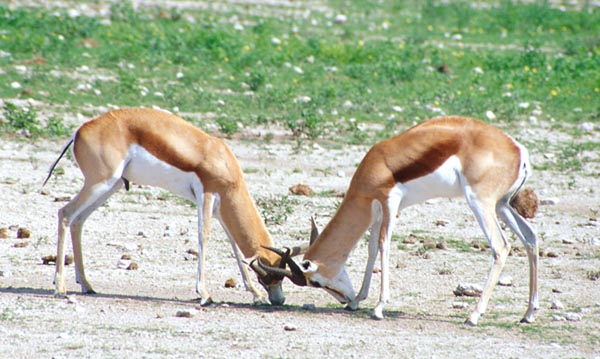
(135, 312)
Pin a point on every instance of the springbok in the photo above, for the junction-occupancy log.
(156, 148)
(442, 157)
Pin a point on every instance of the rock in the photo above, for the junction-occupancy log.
(126, 256)
(230, 283)
(442, 245)
(3, 232)
(5, 273)
(468, 290)
(23, 232)
(505, 280)
(309, 306)
(549, 201)
(301, 190)
(123, 263)
(429, 244)
(132, 266)
(573, 317)
(51, 259)
(289, 327)
(556, 290)
(460, 305)
(556, 304)
(441, 223)
(552, 255)
(193, 251)
(21, 244)
(558, 318)
(186, 313)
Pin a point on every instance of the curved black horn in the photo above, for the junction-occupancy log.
(295, 275)
(259, 270)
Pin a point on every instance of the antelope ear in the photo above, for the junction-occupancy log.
(314, 231)
(308, 267)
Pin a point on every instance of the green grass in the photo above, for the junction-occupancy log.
(311, 75)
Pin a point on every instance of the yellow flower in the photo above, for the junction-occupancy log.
(226, 59)
(231, 78)
(430, 27)
(361, 42)
(596, 89)
(375, 74)
(553, 93)
(534, 70)
(525, 68)
(246, 48)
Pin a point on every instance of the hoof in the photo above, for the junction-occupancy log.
(351, 308)
(262, 301)
(527, 320)
(60, 295)
(204, 302)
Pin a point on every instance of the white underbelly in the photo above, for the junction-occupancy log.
(144, 168)
(443, 182)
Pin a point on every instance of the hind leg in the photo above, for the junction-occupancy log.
(486, 217)
(526, 234)
(73, 215)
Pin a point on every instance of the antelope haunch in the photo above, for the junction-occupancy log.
(156, 148)
(443, 157)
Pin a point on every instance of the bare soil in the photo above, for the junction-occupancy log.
(135, 312)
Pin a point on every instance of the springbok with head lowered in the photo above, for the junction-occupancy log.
(153, 147)
(443, 157)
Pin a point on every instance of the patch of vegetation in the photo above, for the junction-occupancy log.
(391, 65)
(275, 210)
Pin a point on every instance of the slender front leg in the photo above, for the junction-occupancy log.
(258, 297)
(205, 204)
(374, 245)
(60, 288)
(385, 236)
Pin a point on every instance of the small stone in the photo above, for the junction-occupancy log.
(442, 245)
(552, 255)
(3, 232)
(460, 305)
(301, 190)
(68, 259)
(468, 290)
(556, 290)
(308, 306)
(429, 244)
(556, 304)
(193, 251)
(549, 201)
(573, 317)
(230, 283)
(132, 266)
(505, 280)
(23, 232)
(441, 223)
(188, 313)
(376, 270)
(289, 327)
(568, 241)
(21, 244)
(123, 264)
(558, 318)
(126, 256)
(47, 260)
(5, 273)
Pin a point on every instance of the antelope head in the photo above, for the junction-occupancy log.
(334, 279)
